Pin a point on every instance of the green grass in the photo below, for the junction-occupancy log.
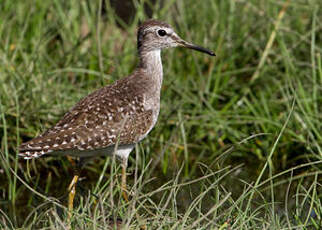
(238, 144)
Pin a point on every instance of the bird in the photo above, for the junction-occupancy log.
(113, 119)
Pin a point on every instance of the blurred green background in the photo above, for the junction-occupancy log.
(238, 141)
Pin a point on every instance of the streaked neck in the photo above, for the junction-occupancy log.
(150, 61)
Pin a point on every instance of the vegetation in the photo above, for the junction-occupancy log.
(238, 144)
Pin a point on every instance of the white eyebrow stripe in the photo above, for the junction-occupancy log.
(154, 28)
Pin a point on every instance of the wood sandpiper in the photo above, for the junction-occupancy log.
(114, 118)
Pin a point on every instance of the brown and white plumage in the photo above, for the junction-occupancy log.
(118, 113)
(122, 113)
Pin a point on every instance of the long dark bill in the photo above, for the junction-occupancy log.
(195, 47)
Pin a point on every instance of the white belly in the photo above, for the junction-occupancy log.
(121, 152)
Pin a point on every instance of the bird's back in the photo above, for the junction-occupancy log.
(119, 113)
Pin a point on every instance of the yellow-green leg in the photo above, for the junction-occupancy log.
(71, 195)
(123, 183)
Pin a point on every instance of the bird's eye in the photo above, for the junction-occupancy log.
(162, 33)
